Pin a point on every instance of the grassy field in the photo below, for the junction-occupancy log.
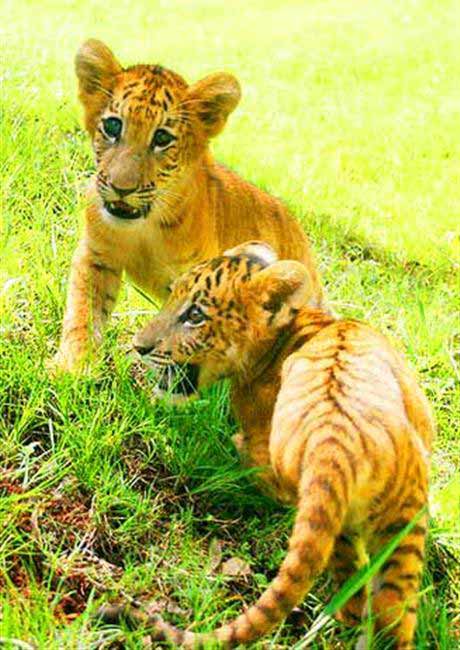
(351, 113)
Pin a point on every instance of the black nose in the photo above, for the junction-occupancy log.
(143, 349)
(123, 191)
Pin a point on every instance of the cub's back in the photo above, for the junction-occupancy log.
(359, 363)
(348, 378)
(244, 212)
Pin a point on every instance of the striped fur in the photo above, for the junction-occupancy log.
(331, 413)
(178, 206)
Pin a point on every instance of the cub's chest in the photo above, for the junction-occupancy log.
(156, 261)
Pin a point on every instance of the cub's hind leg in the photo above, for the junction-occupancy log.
(346, 560)
(395, 598)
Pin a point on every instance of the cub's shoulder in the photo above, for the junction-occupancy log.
(342, 341)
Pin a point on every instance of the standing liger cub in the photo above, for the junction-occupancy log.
(330, 413)
(158, 203)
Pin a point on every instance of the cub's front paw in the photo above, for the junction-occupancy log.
(67, 361)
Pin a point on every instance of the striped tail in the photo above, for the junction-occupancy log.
(321, 510)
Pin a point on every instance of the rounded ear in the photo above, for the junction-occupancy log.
(213, 99)
(282, 289)
(258, 251)
(96, 69)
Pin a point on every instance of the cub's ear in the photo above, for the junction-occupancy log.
(258, 251)
(281, 289)
(212, 99)
(96, 69)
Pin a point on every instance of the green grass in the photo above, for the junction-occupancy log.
(350, 112)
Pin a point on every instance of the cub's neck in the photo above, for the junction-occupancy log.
(254, 394)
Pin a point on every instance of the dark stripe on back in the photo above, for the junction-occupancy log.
(332, 440)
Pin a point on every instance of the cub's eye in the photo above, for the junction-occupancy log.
(112, 127)
(161, 139)
(194, 316)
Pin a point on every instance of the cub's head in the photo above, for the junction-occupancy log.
(149, 129)
(223, 318)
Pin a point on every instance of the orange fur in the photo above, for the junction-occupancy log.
(331, 415)
(187, 207)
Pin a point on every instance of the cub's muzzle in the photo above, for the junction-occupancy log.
(173, 378)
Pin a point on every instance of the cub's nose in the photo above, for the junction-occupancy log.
(143, 349)
(123, 191)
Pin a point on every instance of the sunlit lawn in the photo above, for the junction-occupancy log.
(350, 113)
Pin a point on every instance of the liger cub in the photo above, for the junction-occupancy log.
(331, 415)
(158, 203)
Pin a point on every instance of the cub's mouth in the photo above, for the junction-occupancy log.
(179, 380)
(123, 210)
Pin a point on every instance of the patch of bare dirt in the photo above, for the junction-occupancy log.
(55, 534)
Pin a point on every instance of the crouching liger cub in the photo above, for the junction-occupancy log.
(330, 413)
